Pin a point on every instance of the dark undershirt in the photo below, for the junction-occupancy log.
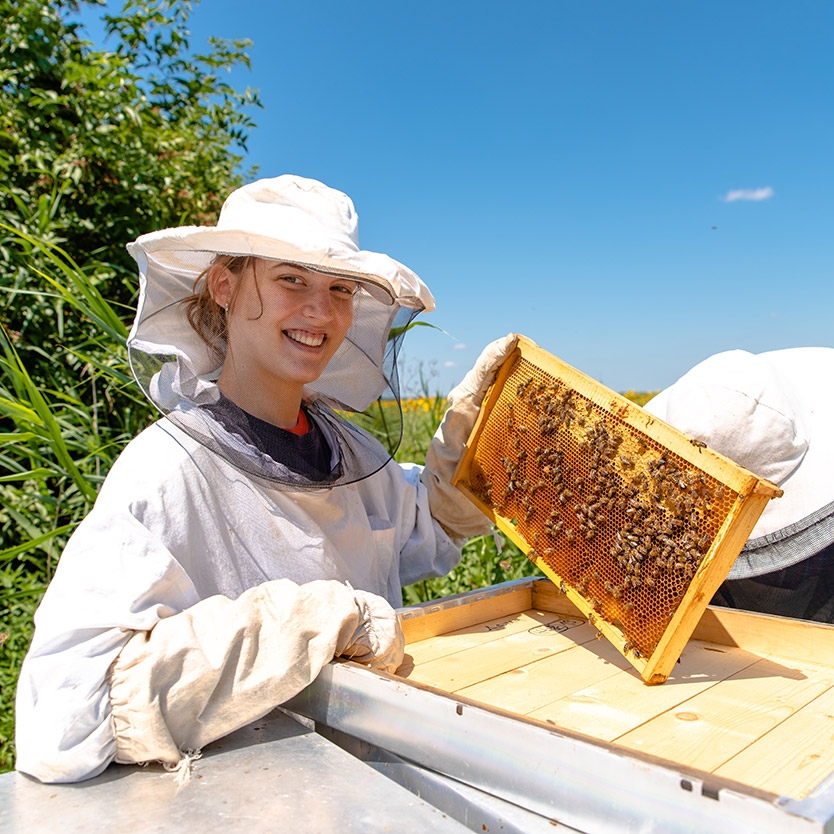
(306, 454)
(804, 590)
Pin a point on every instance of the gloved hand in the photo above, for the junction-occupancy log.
(378, 639)
(450, 507)
(204, 672)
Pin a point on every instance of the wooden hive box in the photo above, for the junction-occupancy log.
(751, 700)
(508, 690)
(635, 522)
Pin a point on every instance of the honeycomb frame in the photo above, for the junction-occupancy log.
(635, 522)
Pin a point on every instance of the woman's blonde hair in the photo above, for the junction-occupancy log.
(204, 314)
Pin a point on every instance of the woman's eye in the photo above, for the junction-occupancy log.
(347, 289)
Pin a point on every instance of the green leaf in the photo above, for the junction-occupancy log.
(13, 552)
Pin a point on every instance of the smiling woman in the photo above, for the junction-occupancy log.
(284, 323)
(248, 299)
(253, 533)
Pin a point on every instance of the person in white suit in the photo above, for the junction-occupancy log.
(252, 533)
(772, 413)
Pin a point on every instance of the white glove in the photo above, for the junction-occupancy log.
(450, 507)
(201, 674)
(378, 640)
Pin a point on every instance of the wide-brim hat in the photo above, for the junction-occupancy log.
(771, 413)
(291, 219)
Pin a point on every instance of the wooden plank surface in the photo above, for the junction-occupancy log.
(531, 687)
(761, 719)
(794, 757)
(491, 657)
(765, 634)
(487, 632)
(620, 704)
(717, 724)
(426, 622)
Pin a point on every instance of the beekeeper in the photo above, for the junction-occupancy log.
(251, 534)
(772, 413)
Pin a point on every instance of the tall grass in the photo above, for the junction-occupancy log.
(67, 408)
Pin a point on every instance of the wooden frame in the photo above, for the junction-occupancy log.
(636, 523)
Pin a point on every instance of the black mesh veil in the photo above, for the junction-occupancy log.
(178, 374)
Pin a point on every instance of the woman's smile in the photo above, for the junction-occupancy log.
(304, 337)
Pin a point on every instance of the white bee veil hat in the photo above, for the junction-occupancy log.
(772, 413)
(290, 219)
(286, 218)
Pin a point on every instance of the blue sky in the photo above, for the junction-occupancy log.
(634, 186)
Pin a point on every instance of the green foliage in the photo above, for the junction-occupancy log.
(412, 428)
(486, 560)
(20, 592)
(405, 428)
(65, 435)
(99, 146)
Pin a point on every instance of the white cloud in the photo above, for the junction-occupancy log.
(450, 364)
(754, 194)
(459, 346)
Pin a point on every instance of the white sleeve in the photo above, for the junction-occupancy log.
(128, 664)
(458, 515)
(428, 550)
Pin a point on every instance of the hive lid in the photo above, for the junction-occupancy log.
(635, 522)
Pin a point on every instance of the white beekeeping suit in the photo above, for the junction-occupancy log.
(211, 582)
